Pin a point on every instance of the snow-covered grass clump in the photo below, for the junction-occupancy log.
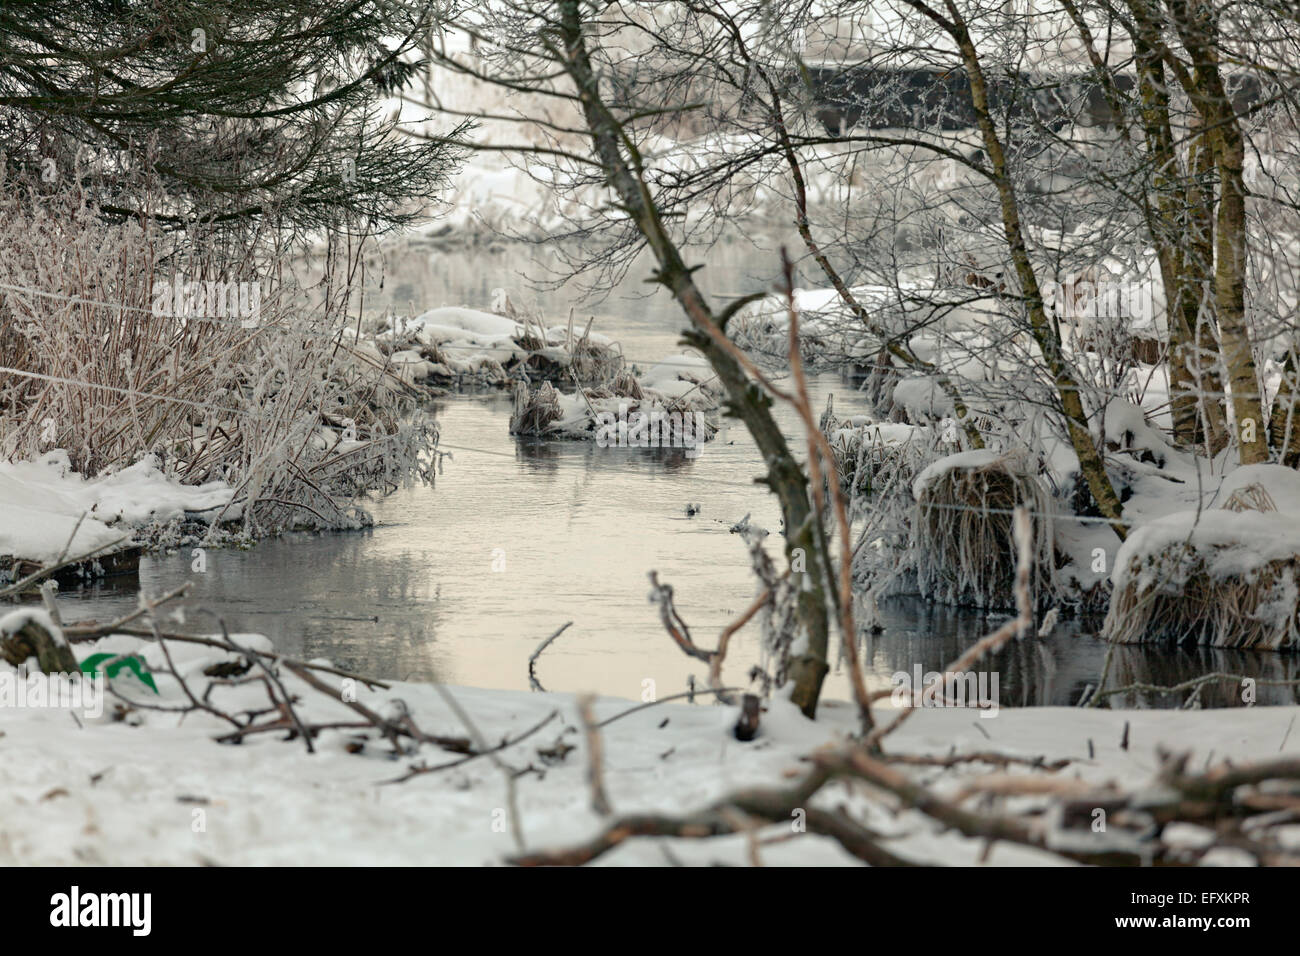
(827, 330)
(962, 530)
(876, 458)
(1227, 578)
(669, 405)
(446, 346)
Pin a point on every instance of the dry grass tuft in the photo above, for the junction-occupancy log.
(1172, 596)
(963, 535)
(1253, 497)
(276, 401)
(536, 410)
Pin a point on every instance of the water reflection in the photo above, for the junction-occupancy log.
(1058, 670)
(580, 527)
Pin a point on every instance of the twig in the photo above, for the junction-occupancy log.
(72, 537)
(595, 759)
(718, 691)
(285, 700)
(391, 729)
(681, 634)
(76, 633)
(89, 632)
(715, 665)
(533, 682)
(417, 771)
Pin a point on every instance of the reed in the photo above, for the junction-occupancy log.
(280, 403)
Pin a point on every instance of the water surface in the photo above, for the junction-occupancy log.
(579, 528)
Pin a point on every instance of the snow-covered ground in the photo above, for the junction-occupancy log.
(157, 789)
(45, 500)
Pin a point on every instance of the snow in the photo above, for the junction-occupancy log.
(1165, 514)
(677, 375)
(469, 341)
(467, 337)
(922, 398)
(45, 498)
(15, 621)
(1281, 483)
(1232, 543)
(450, 322)
(1126, 424)
(157, 790)
(859, 427)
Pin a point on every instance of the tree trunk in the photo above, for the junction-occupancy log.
(1167, 223)
(1044, 332)
(785, 477)
(1198, 31)
(1197, 290)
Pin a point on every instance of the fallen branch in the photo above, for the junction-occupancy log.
(771, 805)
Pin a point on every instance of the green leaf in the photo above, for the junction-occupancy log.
(135, 665)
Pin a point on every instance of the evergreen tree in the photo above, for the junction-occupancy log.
(226, 112)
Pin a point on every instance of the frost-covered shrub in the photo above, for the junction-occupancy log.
(275, 401)
(873, 458)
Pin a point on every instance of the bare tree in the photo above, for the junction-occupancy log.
(956, 174)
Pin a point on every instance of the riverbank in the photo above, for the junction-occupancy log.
(52, 514)
(151, 789)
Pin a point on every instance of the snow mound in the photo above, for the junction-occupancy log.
(464, 337)
(1280, 483)
(44, 500)
(1230, 544)
(1224, 578)
(922, 398)
(978, 458)
(677, 376)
